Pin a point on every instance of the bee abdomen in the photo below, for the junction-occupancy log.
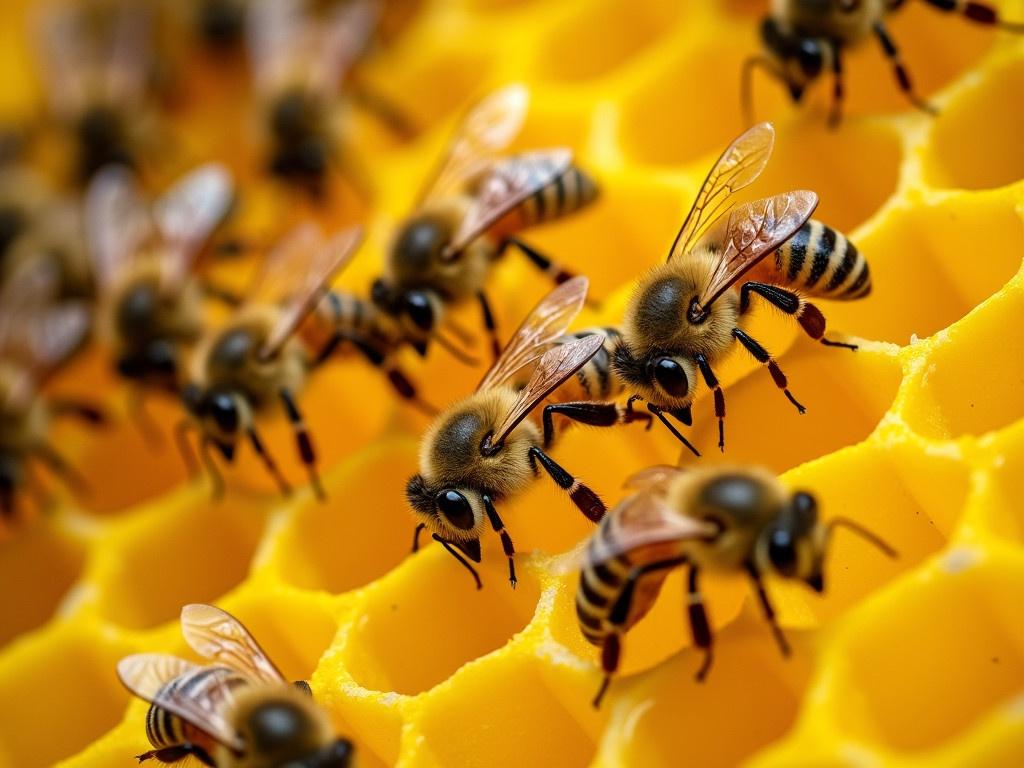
(822, 262)
(601, 582)
(165, 729)
(568, 193)
(596, 380)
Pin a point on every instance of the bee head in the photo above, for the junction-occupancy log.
(455, 513)
(800, 59)
(417, 310)
(662, 378)
(791, 546)
(222, 413)
(284, 728)
(337, 754)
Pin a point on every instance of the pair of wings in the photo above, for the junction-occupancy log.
(285, 40)
(215, 635)
(78, 66)
(498, 184)
(532, 342)
(750, 231)
(119, 221)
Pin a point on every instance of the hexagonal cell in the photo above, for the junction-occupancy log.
(971, 150)
(361, 532)
(506, 715)
(949, 399)
(968, 614)
(427, 620)
(40, 563)
(189, 551)
(60, 694)
(604, 36)
(955, 254)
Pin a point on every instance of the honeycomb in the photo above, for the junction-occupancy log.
(919, 435)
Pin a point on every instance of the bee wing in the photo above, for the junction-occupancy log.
(345, 36)
(555, 366)
(146, 675)
(315, 269)
(740, 164)
(274, 29)
(545, 323)
(117, 221)
(751, 232)
(127, 58)
(188, 212)
(65, 58)
(509, 183)
(652, 477)
(489, 128)
(217, 635)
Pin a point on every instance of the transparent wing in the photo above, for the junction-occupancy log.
(117, 221)
(509, 183)
(275, 29)
(652, 477)
(751, 232)
(344, 37)
(65, 59)
(147, 674)
(188, 212)
(555, 366)
(127, 65)
(315, 268)
(740, 164)
(217, 635)
(545, 323)
(489, 128)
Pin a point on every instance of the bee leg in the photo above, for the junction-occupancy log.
(188, 456)
(747, 83)
(489, 324)
(762, 356)
(593, 414)
(807, 314)
(981, 13)
(219, 293)
(700, 627)
(712, 381)
(303, 441)
(588, 502)
(835, 114)
(268, 462)
(49, 456)
(384, 110)
(660, 413)
(769, 610)
(455, 553)
(902, 76)
(416, 537)
(87, 412)
(555, 271)
(611, 651)
(142, 418)
(176, 754)
(506, 540)
(216, 481)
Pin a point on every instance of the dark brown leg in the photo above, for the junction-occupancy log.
(550, 268)
(458, 556)
(489, 324)
(90, 413)
(835, 114)
(588, 502)
(769, 610)
(142, 419)
(712, 381)
(188, 456)
(682, 416)
(176, 754)
(506, 540)
(700, 627)
(594, 414)
(611, 651)
(303, 441)
(268, 462)
(416, 537)
(762, 356)
(902, 76)
(807, 314)
(216, 481)
(49, 456)
(980, 13)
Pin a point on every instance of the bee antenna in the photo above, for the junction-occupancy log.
(861, 531)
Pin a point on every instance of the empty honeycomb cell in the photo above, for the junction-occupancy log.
(506, 715)
(845, 394)
(198, 551)
(971, 150)
(427, 620)
(983, 666)
(604, 36)
(953, 397)
(37, 567)
(59, 694)
(957, 252)
(361, 532)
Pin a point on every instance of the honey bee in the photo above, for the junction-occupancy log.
(804, 39)
(97, 65)
(239, 711)
(486, 448)
(150, 303)
(254, 360)
(469, 214)
(688, 314)
(37, 334)
(724, 519)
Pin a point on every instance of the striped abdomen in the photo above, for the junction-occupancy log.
(355, 318)
(567, 194)
(211, 684)
(821, 262)
(596, 380)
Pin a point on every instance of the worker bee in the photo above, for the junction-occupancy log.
(97, 65)
(238, 711)
(469, 214)
(686, 315)
(724, 519)
(254, 360)
(486, 448)
(37, 334)
(804, 39)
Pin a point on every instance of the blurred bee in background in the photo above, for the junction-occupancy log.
(688, 314)
(37, 335)
(97, 68)
(803, 40)
(237, 711)
(150, 303)
(721, 519)
(470, 213)
(254, 360)
(486, 448)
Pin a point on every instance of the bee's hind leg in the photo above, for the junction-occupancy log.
(700, 627)
(769, 610)
(759, 353)
(506, 539)
(980, 13)
(303, 441)
(176, 754)
(588, 502)
(892, 52)
(594, 414)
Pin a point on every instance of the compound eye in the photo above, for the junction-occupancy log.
(810, 58)
(671, 377)
(224, 413)
(456, 509)
(419, 310)
(381, 295)
(782, 552)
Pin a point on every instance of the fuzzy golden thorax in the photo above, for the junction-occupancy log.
(829, 19)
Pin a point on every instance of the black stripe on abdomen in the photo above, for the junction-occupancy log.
(823, 250)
